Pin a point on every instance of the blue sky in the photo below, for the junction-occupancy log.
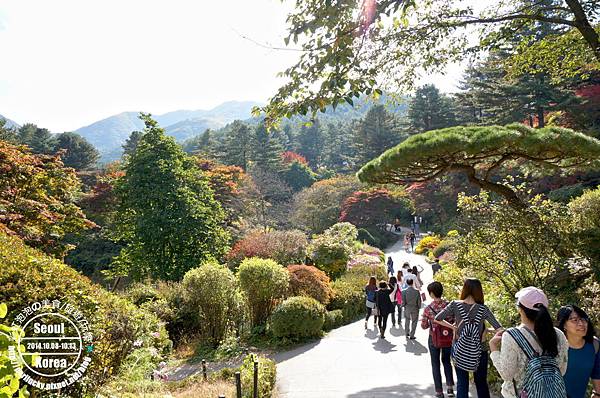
(68, 63)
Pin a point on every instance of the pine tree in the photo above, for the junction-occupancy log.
(376, 133)
(132, 142)
(237, 146)
(338, 150)
(429, 110)
(310, 140)
(78, 153)
(266, 150)
(167, 214)
(40, 140)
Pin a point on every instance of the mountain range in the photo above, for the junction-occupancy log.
(108, 135)
(9, 123)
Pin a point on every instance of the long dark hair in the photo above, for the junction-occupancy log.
(543, 328)
(564, 313)
(393, 281)
(372, 282)
(472, 287)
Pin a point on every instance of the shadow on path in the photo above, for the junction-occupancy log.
(399, 390)
(416, 348)
(384, 346)
(284, 356)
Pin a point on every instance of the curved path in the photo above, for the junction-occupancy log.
(353, 362)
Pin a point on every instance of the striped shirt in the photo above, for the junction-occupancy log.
(451, 310)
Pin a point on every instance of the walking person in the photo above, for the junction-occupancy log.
(400, 284)
(417, 273)
(440, 340)
(384, 306)
(406, 241)
(436, 266)
(533, 356)
(394, 287)
(370, 295)
(412, 238)
(468, 353)
(390, 266)
(584, 351)
(411, 301)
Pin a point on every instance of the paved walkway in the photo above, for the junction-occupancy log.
(353, 362)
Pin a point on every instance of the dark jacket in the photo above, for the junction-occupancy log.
(384, 304)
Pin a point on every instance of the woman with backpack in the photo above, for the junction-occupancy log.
(370, 295)
(468, 353)
(384, 306)
(584, 351)
(533, 356)
(440, 340)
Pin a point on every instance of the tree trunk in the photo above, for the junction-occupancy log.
(584, 27)
(540, 115)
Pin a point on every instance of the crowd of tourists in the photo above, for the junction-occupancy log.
(544, 356)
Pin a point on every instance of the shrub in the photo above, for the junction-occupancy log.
(331, 250)
(444, 246)
(211, 290)
(427, 243)
(139, 293)
(297, 318)
(28, 276)
(267, 373)
(9, 383)
(285, 247)
(348, 299)
(365, 260)
(306, 280)
(333, 319)
(364, 235)
(264, 282)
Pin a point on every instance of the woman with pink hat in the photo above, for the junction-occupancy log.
(532, 357)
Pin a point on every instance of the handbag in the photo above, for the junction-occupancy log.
(423, 296)
(370, 304)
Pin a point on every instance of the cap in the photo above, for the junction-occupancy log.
(529, 296)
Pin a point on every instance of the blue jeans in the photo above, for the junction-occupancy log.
(480, 376)
(436, 368)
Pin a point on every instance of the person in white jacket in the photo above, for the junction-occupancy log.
(538, 329)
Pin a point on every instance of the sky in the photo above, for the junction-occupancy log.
(68, 63)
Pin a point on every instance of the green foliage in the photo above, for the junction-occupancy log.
(211, 290)
(444, 246)
(584, 213)
(37, 196)
(267, 373)
(237, 146)
(514, 249)
(310, 139)
(132, 143)
(331, 250)
(376, 133)
(318, 207)
(298, 176)
(426, 156)
(297, 318)
(266, 151)
(78, 153)
(309, 281)
(29, 276)
(333, 319)
(39, 140)
(349, 49)
(430, 110)
(167, 213)
(263, 282)
(9, 377)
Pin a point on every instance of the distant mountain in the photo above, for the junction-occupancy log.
(109, 134)
(10, 123)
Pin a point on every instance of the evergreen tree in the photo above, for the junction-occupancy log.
(338, 150)
(310, 141)
(266, 151)
(376, 133)
(7, 134)
(429, 110)
(38, 139)
(237, 145)
(78, 153)
(206, 145)
(132, 142)
(167, 214)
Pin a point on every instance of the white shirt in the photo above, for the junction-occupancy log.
(511, 361)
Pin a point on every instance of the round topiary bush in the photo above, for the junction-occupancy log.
(347, 298)
(306, 280)
(211, 290)
(298, 317)
(443, 247)
(263, 282)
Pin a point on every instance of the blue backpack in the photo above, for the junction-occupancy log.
(542, 374)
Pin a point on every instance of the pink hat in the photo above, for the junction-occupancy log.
(528, 297)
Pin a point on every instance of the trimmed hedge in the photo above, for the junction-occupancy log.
(333, 319)
(298, 318)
